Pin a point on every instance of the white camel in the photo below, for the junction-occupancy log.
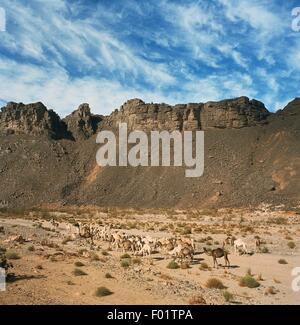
(239, 243)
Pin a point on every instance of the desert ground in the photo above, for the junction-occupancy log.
(54, 265)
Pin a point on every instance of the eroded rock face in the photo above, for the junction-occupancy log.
(31, 119)
(81, 123)
(292, 107)
(234, 113)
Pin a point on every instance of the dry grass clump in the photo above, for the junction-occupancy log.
(214, 283)
(102, 292)
(197, 300)
(136, 260)
(79, 272)
(291, 244)
(11, 255)
(94, 257)
(270, 291)
(165, 277)
(125, 262)
(282, 261)
(78, 264)
(31, 248)
(204, 266)
(173, 265)
(108, 276)
(125, 256)
(227, 296)
(184, 265)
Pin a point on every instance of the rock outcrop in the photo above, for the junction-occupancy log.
(244, 165)
(292, 107)
(233, 113)
(35, 119)
(81, 123)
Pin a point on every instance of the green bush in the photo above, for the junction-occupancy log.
(12, 255)
(249, 281)
(227, 296)
(173, 265)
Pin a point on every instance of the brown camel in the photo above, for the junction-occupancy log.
(218, 253)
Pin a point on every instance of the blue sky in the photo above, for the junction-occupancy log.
(105, 52)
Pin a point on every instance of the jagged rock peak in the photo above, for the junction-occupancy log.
(32, 118)
(82, 123)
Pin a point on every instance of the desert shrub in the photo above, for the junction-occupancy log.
(197, 300)
(70, 283)
(278, 220)
(78, 264)
(204, 266)
(125, 262)
(227, 296)
(270, 291)
(125, 256)
(186, 231)
(108, 276)
(79, 272)
(102, 292)
(291, 244)
(282, 261)
(3, 259)
(136, 260)
(249, 281)
(105, 253)
(94, 257)
(52, 259)
(185, 265)
(214, 283)
(265, 250)
(11, 255)
(31, 248)
(173, 265)
(166, 277)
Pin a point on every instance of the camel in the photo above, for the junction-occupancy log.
(257, 244)
(218, 253)
(127, 245)
(229, 241)
(240, 243)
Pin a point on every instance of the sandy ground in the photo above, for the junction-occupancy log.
(43, 274)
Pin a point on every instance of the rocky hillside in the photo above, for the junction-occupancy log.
(251, 156)
(233, 113)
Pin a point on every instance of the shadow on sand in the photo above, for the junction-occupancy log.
(11, 277)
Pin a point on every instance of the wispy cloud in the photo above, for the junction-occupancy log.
(67, 52)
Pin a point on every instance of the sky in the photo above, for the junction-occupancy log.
(64, 53)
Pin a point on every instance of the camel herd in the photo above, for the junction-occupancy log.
(179, 248)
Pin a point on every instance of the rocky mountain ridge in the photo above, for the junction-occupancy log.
(251, 156)
(81, 124)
